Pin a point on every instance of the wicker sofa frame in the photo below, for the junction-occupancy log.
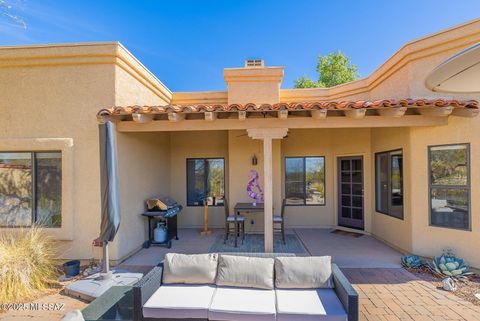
(145, 288)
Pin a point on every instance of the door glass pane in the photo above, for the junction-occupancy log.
(346, 189)
(357, 201)
(15, 189)
(357, 189)
(48, 170)
(397, 180)
(345, 164)
(346, 212)
(345, 177)
(357, 177)
(294, 180)
(346, 201)
(314, 180)
(357, 164)
(357, 213)
(448, 165)
(449, 207)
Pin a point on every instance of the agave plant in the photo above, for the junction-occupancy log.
(450, 266)
(412, 261)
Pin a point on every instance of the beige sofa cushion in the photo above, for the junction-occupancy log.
(246, 272)
(190, 269)
(303, 272)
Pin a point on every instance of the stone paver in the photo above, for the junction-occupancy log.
(395, 294)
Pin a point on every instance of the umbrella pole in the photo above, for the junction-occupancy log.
(106, 262)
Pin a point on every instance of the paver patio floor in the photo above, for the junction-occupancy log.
(387, 292)
(395, 294)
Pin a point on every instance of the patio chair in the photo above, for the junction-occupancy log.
(238, 225)
(279, 221)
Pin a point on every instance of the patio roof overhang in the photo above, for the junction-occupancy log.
(324, 114)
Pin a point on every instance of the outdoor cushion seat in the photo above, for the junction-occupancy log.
(179, 302)
(277, 218)
(242, 304)
(231, 218)
(309, 305)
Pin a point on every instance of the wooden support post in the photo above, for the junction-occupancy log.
(205, 231)
(268, 193)
(267, 135)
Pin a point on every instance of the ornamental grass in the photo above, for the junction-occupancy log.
(27, 264)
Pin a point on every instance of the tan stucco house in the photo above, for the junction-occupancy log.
(382, 155)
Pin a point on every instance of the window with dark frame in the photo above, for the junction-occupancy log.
(31, 189)
(389, 183)
(449, 170)
(305, 180)
(205, 181)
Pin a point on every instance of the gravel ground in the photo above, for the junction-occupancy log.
(465, 289)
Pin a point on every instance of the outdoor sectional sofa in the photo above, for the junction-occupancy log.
(238, 287)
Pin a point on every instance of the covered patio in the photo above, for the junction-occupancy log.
(158, 144)
(348, 250)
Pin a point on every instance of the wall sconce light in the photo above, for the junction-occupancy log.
(254, 160)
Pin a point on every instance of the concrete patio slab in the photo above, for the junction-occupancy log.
(347, 251)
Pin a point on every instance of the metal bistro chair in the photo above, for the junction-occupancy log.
(280, 220)
(238, 225)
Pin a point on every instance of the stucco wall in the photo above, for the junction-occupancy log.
(392, 230)
(192, 145)
(144, 167)
(429, 240)
(331, 143)
(241, 150)
(39, 103)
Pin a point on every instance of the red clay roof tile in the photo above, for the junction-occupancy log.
(382, 103)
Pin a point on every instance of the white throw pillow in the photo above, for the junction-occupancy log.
(246, 272)
(190, 269)
(311, 272)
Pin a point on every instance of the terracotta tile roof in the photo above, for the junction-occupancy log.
(298, 106)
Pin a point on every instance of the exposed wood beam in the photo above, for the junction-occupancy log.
(436, 111)
(319, 114)
(175, 117)
(242, 115)
(300, 122)
(282, 114)
(392, 112)
(465, 112)
(210, 116)
(355, 113)
(142, 118)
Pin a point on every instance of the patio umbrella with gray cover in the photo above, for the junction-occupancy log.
(109, 188)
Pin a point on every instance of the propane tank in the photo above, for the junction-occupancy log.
(160, 233)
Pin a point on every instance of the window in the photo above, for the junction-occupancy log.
(449, 186)
(389, 183)
(30, 189)
(305, 180)
(205, 181)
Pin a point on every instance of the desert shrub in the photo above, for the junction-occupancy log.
(27, 263)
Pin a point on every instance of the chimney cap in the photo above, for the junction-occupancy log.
(254, 63)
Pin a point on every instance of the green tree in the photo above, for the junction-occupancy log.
(333, 69)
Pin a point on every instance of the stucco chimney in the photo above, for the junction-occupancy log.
(253, 83)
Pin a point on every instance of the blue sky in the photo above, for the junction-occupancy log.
(186, 44)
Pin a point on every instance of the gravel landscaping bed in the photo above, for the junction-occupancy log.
(465, 289)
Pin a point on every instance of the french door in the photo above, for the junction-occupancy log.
(350, 192)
